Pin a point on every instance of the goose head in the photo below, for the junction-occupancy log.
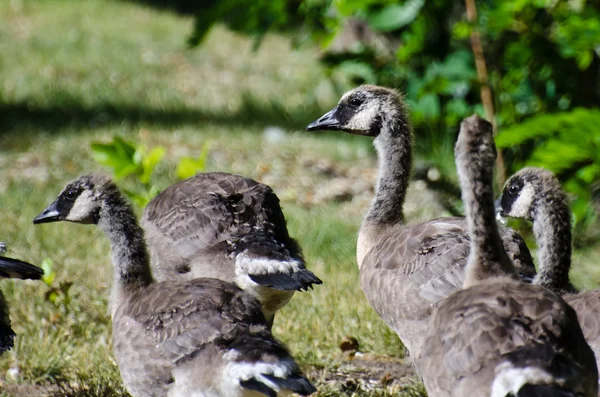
(365, 110)
(522, 193)
(80, 201)
(475, 145)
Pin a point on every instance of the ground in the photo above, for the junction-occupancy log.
(73, 73)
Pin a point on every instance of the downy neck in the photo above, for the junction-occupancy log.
(394, 149)
(552, 229)
(487, 257)
(130, 258)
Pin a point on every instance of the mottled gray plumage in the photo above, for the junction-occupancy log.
(404, 269)
(536, 195)
(228, 227)
(201, 337)
(13, 268)
(499, 337)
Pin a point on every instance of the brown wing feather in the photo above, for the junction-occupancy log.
(198, 226)
(412, 268)
(476, 329)
(170, 322)
(183, 317)
(587, 307)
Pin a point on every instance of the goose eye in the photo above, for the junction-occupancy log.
(355, 102)
(71, 194)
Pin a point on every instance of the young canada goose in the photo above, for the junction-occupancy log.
(202, 337)
(536, 195)
(227, 227)
(12, 268)
(499, 337)
(404, 270)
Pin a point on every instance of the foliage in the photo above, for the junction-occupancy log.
(542, 56)
(568, 144)
(128, 159)
(189, 166)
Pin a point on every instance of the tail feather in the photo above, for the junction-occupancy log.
(300, 280)
(299, 384)
(544, 391)
(306, 278)
(256, 385)
(280, 281)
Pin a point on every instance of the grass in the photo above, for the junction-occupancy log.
(76, 72)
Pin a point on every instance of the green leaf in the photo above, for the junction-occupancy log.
(395, 16)
(118, 155)
(149, 163)
(49, 273)
(189, 166)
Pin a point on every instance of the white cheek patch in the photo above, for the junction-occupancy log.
(522, 205)
(82, 207)
(363, 120)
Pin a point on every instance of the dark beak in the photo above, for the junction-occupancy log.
(326, 122)
(14, 268)
(50, 214)
(498, 206)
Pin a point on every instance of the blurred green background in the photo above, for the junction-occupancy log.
(151, 91)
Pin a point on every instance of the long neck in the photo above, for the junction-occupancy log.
(394, 148)
(487, 257)
(552, 229)
(130, 256)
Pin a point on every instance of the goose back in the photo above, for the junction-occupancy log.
(228, 227)
(204, 321)
(491, 333)
(413, 268)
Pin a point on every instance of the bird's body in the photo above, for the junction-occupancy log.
(404, 269)
(499, 337)
(228, 227)
(536, 195)
(202, 337)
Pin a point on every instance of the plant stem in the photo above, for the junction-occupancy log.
(485, 89)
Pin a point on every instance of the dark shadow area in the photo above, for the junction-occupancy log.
(17, 116)
(183, 7)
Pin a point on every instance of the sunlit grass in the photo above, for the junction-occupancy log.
(76, 72)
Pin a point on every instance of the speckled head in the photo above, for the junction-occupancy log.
(80, 201)
(476, 143)
(524, 190)
(363, 111)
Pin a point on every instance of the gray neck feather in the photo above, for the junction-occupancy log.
(487, 257)
(129, 253)
(552, 229)
(394, 148)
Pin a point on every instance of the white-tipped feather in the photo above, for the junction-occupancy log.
(239, 371)
(245, 265)
(509, 380)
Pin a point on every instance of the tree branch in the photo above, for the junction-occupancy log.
(485, 89)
